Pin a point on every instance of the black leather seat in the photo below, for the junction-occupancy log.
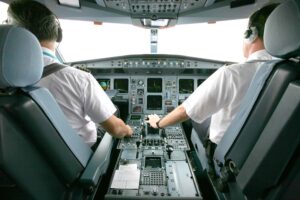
(39, 151)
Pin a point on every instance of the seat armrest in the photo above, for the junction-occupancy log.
(99, 162)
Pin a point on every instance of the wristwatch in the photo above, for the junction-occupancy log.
(157, 124)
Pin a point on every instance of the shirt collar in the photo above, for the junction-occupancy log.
(49, 56)
(260, 55)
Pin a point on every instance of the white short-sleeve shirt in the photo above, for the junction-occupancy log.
(220, 96)
(80, 97)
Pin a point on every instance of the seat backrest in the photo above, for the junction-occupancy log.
(39, 151)
(279, 75)
(258, 140)
(275, 152)
(255, 111)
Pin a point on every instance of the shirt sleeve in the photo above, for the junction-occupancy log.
(97, 104)
(211, 96)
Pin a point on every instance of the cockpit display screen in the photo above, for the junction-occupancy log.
(154, 85)
(104, 83)
(135, 117)
(121, 85)
(154, 102)
(200, 81)
(153, 162)
(186, 86)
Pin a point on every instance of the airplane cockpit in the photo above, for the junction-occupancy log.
(149, 57)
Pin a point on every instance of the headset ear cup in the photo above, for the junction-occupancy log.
(251, 34)
(247, 33)
(59, 34)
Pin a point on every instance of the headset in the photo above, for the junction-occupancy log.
(44, 22)
(251, 34)
(40, 24)
(59, 32)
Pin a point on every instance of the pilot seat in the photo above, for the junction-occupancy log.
(40, 154)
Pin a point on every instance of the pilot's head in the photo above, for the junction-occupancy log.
(37, 18)
(255, 31)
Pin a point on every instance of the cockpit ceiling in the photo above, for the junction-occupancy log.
(155, 9)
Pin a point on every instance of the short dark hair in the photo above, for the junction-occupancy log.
(35, 17)
(259, 18)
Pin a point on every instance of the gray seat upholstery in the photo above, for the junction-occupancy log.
(198, 136)
(258, 153)
(270, 163)
(39, 151)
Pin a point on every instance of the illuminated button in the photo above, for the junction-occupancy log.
(140, 82)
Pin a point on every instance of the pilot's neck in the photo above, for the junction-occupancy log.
(49, 45)
(256, 46)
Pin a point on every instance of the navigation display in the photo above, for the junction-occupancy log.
(154, 85)
(154, 102)
(121, 85)
(186, 86)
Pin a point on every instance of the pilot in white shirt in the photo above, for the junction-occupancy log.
(220, 96)
(87, 102)
(79, 95)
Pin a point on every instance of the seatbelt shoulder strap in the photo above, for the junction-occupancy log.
(54, 67)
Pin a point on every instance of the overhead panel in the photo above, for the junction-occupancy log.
(154, 9)
(120, 5)
(188, 5)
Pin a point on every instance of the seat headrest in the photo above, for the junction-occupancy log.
(282, 30)
(21, 58)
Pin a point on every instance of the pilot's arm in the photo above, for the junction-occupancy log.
(176, 116)
(116, 127)
(100, 108)
(212, 95)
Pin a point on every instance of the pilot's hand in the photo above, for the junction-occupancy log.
(152, 119)
(130, 131)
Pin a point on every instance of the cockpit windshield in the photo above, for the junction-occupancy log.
(219, 41)
(85, 40)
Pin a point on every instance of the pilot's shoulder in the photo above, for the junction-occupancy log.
(236, 66)
(71, 71)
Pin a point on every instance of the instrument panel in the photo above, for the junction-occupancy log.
(147, 138)
(153, 163)
(152, 94)
(151, 83)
